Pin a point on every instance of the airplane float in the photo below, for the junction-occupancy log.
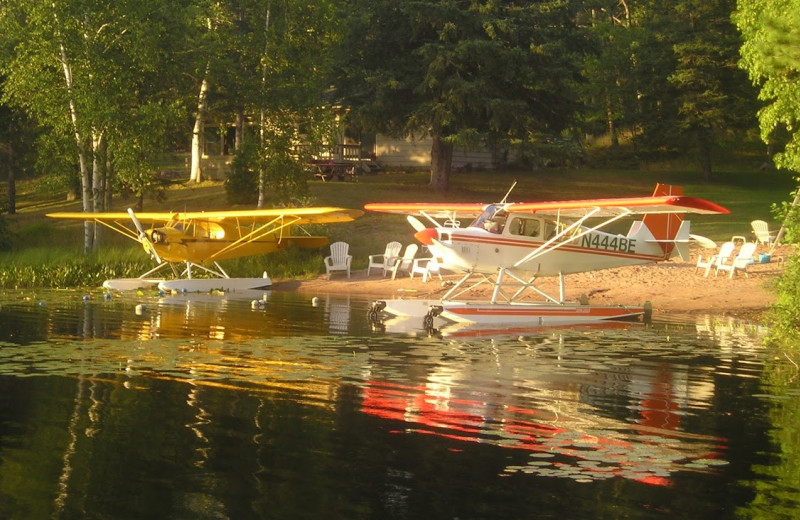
(197, 238)
(511, 245)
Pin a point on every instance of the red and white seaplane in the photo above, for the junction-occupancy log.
(511, 245)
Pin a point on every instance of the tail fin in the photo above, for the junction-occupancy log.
(665, 226)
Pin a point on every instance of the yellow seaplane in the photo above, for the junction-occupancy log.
(198, 240)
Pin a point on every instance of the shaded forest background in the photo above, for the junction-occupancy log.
(93, 94)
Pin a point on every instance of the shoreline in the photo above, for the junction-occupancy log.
(672, 288)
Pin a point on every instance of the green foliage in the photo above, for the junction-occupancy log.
(282, 174)
(786, 312)
(135, 152)
(693, 98)
(770, 56)
(78, 272)
(459, 72)
(293, 262)
(241, 184)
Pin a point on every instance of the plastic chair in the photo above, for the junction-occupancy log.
(338, 260)
(723, 256)
(385, 260)
(740, 262)
(762, 233)
(426, 267)
(404, 263)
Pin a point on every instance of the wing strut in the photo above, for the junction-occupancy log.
(546, 247)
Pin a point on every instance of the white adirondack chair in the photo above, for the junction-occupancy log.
(427, 267)
(338, 260)
(740, 262)
(404, 262)
(385, 260)
(715, 260)
(762, 233)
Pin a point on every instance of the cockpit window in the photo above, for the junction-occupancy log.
(492, 219)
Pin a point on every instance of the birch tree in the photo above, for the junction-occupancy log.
(277, 80)
(86, 69)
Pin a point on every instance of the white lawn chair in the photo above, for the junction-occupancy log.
(385, 260)
(762, 233)
(339, 259)
(404, 262)
(740, 262)
(426, 267)
(715, 260)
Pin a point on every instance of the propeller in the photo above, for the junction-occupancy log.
(146, 243)
(415, 223)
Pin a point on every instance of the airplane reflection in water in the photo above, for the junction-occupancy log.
(243, 315)
(414, 326)
(581, 404)
(565, 434)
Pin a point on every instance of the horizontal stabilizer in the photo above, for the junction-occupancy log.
(681, 241)
(703, 241)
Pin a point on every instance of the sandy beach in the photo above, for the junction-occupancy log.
(673, 287)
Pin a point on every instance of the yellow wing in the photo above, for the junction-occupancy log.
(315, 215)
(204, 236)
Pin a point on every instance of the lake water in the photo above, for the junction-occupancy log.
(202, 407)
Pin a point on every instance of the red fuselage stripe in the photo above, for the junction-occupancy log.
(469, 239)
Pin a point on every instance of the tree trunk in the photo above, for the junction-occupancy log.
(98, 182)
(612, 127)
(262, 120)
(239, 136)
(86, 176)
(12, 190)
(196, 173)
(12, 186)
(262, 175)
(705, 159)
(441, 163)
(109, 191)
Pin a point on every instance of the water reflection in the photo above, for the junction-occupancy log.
(210, 406)
(573, 427)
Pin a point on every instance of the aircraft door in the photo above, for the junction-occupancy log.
(530, 227)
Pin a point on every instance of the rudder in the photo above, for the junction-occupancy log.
(664, 226)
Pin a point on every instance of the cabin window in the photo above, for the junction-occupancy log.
(210, 230)
(527, 227)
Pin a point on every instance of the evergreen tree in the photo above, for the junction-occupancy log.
(693, 95)
(462, 72)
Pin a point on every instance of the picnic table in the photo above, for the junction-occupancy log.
(325, 170)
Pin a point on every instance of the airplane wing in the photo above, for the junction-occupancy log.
(568, 208)
(206, 236)
(425, 209)
(315, 215)
(617, 206)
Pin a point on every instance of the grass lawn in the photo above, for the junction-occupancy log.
(748, 195)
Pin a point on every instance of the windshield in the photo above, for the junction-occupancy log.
(488, 214)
